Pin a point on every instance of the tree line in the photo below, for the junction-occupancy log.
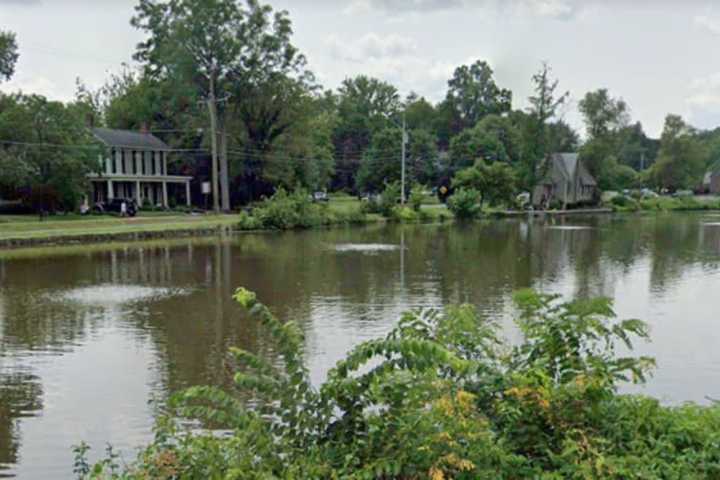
(231, 67)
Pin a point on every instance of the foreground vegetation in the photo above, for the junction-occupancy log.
(441, 396)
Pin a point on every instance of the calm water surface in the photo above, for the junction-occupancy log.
(93, 338)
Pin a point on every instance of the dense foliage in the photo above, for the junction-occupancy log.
(51, 153)
(441, 396)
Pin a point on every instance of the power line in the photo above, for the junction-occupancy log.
(93, 146)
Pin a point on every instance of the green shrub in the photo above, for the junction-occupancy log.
(353, 216)
(408, 215)
(389, 198)
(286, 211)
(465, 203)
(441, 396)
(248, 222)
(416, 197)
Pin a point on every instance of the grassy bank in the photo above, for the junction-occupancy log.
(664, 204)
(283, 212)
(19, 229)
(288, 212)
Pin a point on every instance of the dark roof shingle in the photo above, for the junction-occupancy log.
(129, 139)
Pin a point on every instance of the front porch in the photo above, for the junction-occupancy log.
(161, 192)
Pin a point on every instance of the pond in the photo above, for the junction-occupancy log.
(93, 338)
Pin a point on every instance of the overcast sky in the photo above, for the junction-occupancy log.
(658, 55)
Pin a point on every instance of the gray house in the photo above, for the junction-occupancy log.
(566, 180)
(711, 181)
(136, 168)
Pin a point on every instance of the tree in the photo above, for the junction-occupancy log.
(196, 43)
(473, 94)
(49, 166)
(422, 157)
(602, 113)
(561, 137)
(496, 182)
(221, 48)
(604, 118)
(8, 54)
(635, 149)
(363, 105)
(419, 113)
(682, 158)
(380, 164)
(544, 106)
(304, 156)
(494, 139)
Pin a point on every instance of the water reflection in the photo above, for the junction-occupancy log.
(90, 336)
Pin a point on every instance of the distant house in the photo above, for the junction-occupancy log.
(136, 168)
(565, 181)
(711, 181)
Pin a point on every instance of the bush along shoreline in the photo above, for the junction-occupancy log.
(442, 396)
(296, 210)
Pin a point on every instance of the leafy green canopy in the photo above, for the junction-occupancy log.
(8, 54)
(441, 396)
(51, 154)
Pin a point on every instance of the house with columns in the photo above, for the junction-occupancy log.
(136, 168)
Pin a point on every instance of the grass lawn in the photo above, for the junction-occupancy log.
(21, 227)
(26, 227)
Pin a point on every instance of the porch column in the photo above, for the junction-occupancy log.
(111, 194)
(138, 193)
(164, 193)
(187, 193)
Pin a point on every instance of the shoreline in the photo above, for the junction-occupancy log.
(225, 228)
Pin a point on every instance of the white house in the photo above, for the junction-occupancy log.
(136, 168)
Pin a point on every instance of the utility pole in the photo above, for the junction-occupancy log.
(212, 108)
(402, 171)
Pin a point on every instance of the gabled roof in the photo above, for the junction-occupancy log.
(567, 163)
(565, 166)
(129, 139)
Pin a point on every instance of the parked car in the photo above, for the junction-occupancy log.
(320, 197)
(647, 193)
(115, 206)
(683, 194)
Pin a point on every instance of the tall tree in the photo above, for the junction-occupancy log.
(605, 117)
(364, 105)
(602, 113)
(544, 106)
(493, 139)
(419, 113)
(380, 164)
(8, 54)
(682, 158)
(197, 43)
(473, 94)
(237, 57)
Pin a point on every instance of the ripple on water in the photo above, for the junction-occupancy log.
(115, 294)
(569, 227)
(366, 247)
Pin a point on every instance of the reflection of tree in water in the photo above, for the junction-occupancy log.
(20, 396)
